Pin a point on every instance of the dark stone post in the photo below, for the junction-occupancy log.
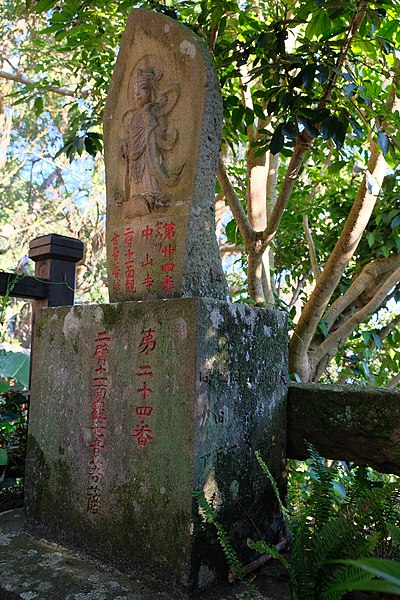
(56, 257)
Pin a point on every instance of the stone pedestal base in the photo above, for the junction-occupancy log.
(134, 406)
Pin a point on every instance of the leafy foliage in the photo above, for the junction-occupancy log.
(326, 523)
(232, 559)
(307, 71)
(388, 572)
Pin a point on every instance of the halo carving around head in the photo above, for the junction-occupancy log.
(148, 68)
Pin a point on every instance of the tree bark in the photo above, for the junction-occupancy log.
(344, 250)
(331, 344)
(369, 274)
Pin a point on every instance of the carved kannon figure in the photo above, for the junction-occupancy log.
(147, 137)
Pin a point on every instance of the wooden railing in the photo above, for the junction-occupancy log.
(53, 284)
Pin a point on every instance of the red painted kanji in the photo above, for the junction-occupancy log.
(145, 390)
(130, 254)
(143, 433)
(148, 282)
(101, 351)
(145, 371)
(99, 391)
(115, 264)
(147, 232)
(159, 233)
(144, 411)
(168, 284)
(128, 237)
(98, 411)
(168, 250)
(148, 262)
(130, 277)
(168, 267)
(147, 343)
(169, 231)
(99, 394)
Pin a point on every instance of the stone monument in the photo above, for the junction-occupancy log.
(162, 130)
(136, 404)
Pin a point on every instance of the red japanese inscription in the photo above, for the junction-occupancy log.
(143, 432)
(147, 343)
(99, 420)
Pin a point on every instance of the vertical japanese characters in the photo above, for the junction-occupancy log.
(100, 388)
(143, 432)
(144, 259)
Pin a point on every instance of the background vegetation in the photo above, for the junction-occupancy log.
(307, 198)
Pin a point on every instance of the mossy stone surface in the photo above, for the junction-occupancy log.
(346, 422)
(215, 400)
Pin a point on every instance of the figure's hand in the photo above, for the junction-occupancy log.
(162, 101)
(124, 149)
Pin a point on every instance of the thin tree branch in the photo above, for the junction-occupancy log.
(333, 341)
(239, 215)
(229, 249)
(311, 248)
(20, 78)
(301, 283)
(369, 273)
(394, 382)
(292, 173)
(345, 247)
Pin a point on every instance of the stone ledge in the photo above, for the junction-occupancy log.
(33, 569)
(346, 422)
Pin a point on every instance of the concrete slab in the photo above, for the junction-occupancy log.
(32, 569)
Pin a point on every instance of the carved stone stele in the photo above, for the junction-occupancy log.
(162, 129)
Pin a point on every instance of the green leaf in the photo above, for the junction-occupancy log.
(340, 133)
(44, 5)
(3, 457)
(370, 239)
(377, 340)
(308, 75)
(336, 167)
(385, 251)
(386, 569)
(4, 387)
(395, 222)
(366, 336)
(249, 116)
(383, 142)
(15, 365)
(237, 115)
(38, 105)
(277, 140)
(322, 74)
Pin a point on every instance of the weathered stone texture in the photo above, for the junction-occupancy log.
(37, 570)
(346, 422)
(218, 381)
(162, 129)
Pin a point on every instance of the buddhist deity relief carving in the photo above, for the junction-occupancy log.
(147, 139)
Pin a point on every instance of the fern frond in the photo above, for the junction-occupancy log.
(342, 580)
(273, 484)
(263, 548)
(232, 558)
(323, 497)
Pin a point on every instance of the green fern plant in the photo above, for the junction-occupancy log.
(232, 558)
(387, 571)
(323, 528)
